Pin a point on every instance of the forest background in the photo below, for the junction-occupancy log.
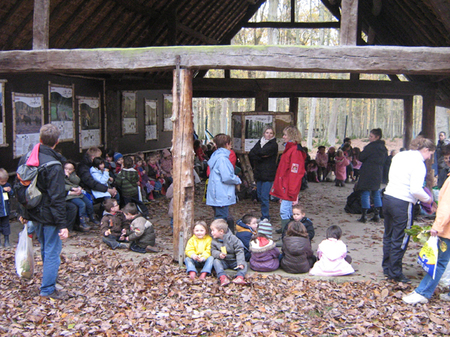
(322, 121)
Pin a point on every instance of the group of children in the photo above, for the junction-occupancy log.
(224, 250)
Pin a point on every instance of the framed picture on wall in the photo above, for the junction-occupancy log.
(61, 110)
(129, 114)
(168, 103)
(2, 114)
(28, 114)
(89, 121)
(151, 118)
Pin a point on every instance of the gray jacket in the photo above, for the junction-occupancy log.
(235, 248)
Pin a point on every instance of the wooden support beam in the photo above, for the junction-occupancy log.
(408, 121)
(361, 59)
(183, 160)
(429, 129)
(292, 25)
(293, 10)
(41, 24)
(349, 23)
(262, 101)
(293, 107)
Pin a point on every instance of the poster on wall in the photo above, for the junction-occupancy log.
(2, 114)
(254, 129)
(237, 132)
(281, 122)
(151, 117)
(129, 115)
(28, 114)
(168, 103)
(90, 122)
(61, 101)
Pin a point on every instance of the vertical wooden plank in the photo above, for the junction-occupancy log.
(262, 101)
(183, 160)
(293, 107)
(349, 22)
(428, 128)
(408, 104)
(41, 19)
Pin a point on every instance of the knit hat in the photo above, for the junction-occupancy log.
(166, 153)
(117, 156)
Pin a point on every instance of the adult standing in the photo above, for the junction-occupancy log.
(440, 228)
(263, 157)
(50, 215)
(222, 183)
(290, 172)
(439, 155)
(405, 187)
(370, 174)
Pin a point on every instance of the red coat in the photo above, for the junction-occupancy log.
(290, 172)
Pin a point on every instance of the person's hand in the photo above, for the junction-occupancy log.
(295, 202)
(222, 256)
(240, 266)
(63, 233)
(112, 191)
(106, 169)
(194, 257)
(433, 232)
(124, 231)
(6, 189)
(22, 220)
(122, 238)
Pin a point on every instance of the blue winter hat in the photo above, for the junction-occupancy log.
(117, 156)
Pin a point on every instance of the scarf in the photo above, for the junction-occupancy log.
(264, 141)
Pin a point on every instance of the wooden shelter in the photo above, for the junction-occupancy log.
(103, 48)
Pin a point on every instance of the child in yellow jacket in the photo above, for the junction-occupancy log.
(198, 251)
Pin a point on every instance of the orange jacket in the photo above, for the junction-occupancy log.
(442, 222)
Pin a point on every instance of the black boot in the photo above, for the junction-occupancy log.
(363, 218)
(376, 215)
(6, 244)
(83, 225)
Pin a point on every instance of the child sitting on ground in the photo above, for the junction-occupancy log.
(198, 251)
(141, 234)
(265, 254)
(6, 193)
(299, 215)
(311, 171)
(228, 252)
(112, 224)
(332, 254)
(155, 176)
(76, 195)
(101, 174)
(341, 167)
(246, 228)
(298, 256)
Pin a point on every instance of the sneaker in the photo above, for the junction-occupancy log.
(152, 249)
(264, 220)
(224, 280)
(240, 280)
(57, 295)
(414, 298)
(122, 246)
(444, 297)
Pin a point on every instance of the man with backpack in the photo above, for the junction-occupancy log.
(50, 214)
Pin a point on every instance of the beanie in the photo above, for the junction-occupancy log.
(117, 156)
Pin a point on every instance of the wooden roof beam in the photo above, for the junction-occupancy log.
(41, 24)
(136, 7)
(353, 59)
(349, 23)
(199, 36)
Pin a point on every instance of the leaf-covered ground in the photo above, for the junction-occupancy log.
(111, 296)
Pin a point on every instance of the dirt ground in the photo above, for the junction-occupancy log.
(324, 205)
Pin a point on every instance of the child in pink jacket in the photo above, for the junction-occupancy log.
(341, 164)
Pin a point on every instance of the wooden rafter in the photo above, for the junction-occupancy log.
(100, 24)
(41, 18)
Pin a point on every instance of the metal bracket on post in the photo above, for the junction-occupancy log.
(180, 249)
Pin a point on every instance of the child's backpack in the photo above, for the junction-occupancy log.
(28, 195)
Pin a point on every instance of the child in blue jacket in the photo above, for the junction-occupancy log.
(6, 193)
(246, 228)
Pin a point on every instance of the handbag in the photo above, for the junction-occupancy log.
(428, 256)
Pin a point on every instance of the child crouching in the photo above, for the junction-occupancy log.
(265, 254)
(198, 251)
(228, 252)
(112, 224)
(141, 234)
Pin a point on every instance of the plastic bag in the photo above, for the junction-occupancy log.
(445, 279)
(25, 255)
(428, 256)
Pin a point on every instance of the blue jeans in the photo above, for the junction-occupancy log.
(51, 247)
(221, 212)
(263, 190)
(111, 241)
(286, 209)
(428, 285)
(365, 199)
(84, 205)
(191, 265)
(220, 266)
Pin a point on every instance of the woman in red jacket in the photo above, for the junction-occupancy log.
(291, 169)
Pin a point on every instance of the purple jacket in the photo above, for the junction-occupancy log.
(264, 258)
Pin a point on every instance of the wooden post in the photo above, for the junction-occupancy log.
(408, 121)
(428, 128)
(262, 101)
(183, 159)
(293, 107)
(41, 19)
(349, 22)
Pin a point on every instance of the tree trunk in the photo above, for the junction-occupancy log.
(333, 122)
(312, 117)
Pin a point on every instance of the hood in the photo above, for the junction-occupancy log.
(242, 227)
(256, 248)
(222, 152)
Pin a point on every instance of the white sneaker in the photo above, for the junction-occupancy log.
(414, 298)
(263, 220)
(444, 297)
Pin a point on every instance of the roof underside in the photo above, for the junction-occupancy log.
(140, 23)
